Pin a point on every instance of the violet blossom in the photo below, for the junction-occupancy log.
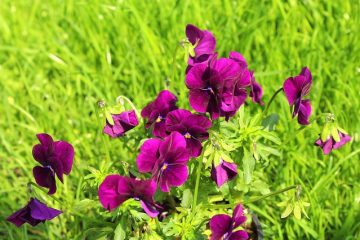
(295, 89)
(192, 126)
(331, 144)
(33, 213)
(224, 227)
(156, 111)
(123, 122)
(56, 158)
(116, 189)
(223, 172)
(166, 159)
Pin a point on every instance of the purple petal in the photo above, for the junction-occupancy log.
(344, 138)
(149, 208)
(238, 216)
(123, 122)
(238, 58)
(194, 147)
(239, 235)
(328, 146)
(18, 218)
(223, 172)
(159, 129)
(174, 142)
(204, 39)
(304, 112)
(199, 100)
(143, 189)
(45, 177)
(174, 120)
(148, 155)
(291, 91)
(219, 225)
(65, 153)
(173, 176)
(113, 191)
(45, 139)
(194, 78)
(42, 212)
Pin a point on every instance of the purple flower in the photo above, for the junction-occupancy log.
(331, 144)
(192, 126)
(55, 157)
(224, 172)
(256, 91)
(156, 112)
(33, 213)
(116, 189)
(224, 227)
(166, 160)
(123, 122)
(217, 87)
(203, 44)
(295, 89)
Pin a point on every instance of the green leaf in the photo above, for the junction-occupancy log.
(288, 211)
(84, 205)
(187, 198)
(271, 121)
(120, 233)
(117, 109)
(248, 166)
(297, 211)
(325, 132)
(335, 134)
(109, 117)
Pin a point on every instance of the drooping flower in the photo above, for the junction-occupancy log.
(224, 227)
(166, 159)
(123, 122)
(203, 45)
(56, 157)
(295, 89)
(217, 87)
(116, 189)
(192, 126)
(33, 213)
(330, 143)
(156, 112)
(223, 172)
(256, 91)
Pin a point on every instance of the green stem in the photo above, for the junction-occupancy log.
(105, 143)
(271, 100)
(43, 190)
(252, 200)
(131, 104)
(174, 62)
(198, 173)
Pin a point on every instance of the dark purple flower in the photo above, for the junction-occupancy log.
(116, 189)
(295, 89)
(166, 159)
(331, 144)
(123, 122)
(156, 112)
(203, 44)
(224, 227)
(33, 213)
(192, 126)
(56, 157)
(223, 172)
(256, 91)
(217, 87)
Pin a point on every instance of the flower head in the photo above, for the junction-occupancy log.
(116, 189)
(123, 122)
(166, 159)
(156, 112)
(203, 45)
(56, 157)
(223, 172)
(33, 213)
(192, 126)
(295, 89)
(224, 227)
(217, 87)
(330, 143)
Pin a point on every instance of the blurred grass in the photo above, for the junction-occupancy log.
(57, 58)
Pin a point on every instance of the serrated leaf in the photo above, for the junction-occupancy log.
(120, 233)
(217, 158)
(248, 166)
(187, 198)
(288, 211)
(297, 211)
(208, 150)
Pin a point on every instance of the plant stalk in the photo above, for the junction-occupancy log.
(198, 173)
(43, 190)
(271, 100)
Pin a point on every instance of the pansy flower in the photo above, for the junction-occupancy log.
(155, 112)
(295, 89)
(223, 172)
(330, 143)
(123, 122)
(203, 45)
(116, 189)
(166, 159)
(192, 126)
(33, 213)
(224, 227)
(56, 158)
(217, 87)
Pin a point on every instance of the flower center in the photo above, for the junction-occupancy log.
(187, 135)
(136, 198)
(164, 167)
(159, 118)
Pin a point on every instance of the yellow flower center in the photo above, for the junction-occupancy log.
(164, 167)
(158, 119)
(187, 135)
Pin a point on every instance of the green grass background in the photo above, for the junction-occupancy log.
(57, 58)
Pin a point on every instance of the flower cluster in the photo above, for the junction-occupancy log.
(56, 158)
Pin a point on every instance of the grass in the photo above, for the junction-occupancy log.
(58, 58)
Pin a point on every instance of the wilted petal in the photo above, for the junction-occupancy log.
(219, 225)
(45, 177)
(344, 138)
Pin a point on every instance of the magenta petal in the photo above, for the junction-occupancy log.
(239, 58)
(45, 139)
(65, 152)
(194, 147)
(175, 141)
(148, 155)
(238, 216)
(159, 129)
(239, 235)
(327, 146)
(304, 112)
(344, 138)
(174, 176)
(45, 177)
(219, 225)
(176, 117)
(113, 191)
(199, 100)
(290, 90)
(194, 78)
(224, 172)
(150, 209)
(206, 45)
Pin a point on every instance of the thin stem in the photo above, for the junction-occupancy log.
(43, 190)
(254, 199)
(174, 62)
(271, 100)
(131, 104)
(198, 173)
(105, 143)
